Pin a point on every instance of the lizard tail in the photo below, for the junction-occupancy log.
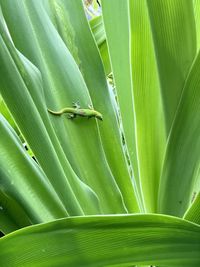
(54, 112)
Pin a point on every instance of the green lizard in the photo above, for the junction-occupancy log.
(77, 111)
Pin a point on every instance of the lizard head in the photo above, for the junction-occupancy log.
(99, 116)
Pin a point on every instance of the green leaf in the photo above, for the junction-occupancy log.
(149, 119)
(196, 5)
(25, 188)
(104, 241)
(97, 28)
(116, 27)
(17, 72)
(98, 31)
(12, 216)
(193, 212)
(182, 154)
(69, 16)
(5, 112)
(174, 35)
(79, 139)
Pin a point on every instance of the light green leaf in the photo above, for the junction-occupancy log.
(63, 84)
(196, 5)
(104, 241)
(49, 58)
(25, 188)
(174, 35)
(149, 119)
(97, 28)
(182, 156)
(98, 31)
(85, 48)
(17, 72)
(116, 27)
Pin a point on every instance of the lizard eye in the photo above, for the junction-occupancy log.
(99, 117)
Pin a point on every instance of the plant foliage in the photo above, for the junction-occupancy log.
(79, 201)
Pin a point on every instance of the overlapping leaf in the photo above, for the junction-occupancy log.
(104, 241)
(26, 195)
(82, 167)
(182, 156)
(79, 140)
(76, 34)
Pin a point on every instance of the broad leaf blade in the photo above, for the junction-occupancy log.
(24, 77)
(70, 16)
(80, 139)
(104, 241)
(174, 35)
(182, 154)
(149, 119)
(115, 17)
(26, 187)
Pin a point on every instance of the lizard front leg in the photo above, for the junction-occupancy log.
(90, 106)
(71, 116)
(76, 105)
